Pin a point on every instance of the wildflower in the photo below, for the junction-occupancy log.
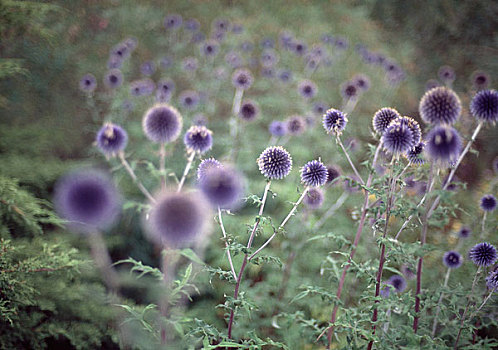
(414, 127)
(333, 173)
(492, 280)
(398, 282)
(173, 22)
(362, 82)
(88, 83)
(446, 74)
(275, 162)
(198, 139)
(307, 89)
(480, 80)
(314, 173)
(295, 125)
(483, 254)
(222, 186)
(210, 48)
(488, 202)
(162, 123)
(143, 87)
(334, 121)
(314, 198)
(242, 79)
(452, 259)
(189, 99)
(440, 105)
(147, 68)
(464, 232)
(113, 78)
(111, 139)
(443, 144)
(484, 106)
(277, 128)
(249, 110)
(398, 138)
(206, 165)
(415, 154)
(383, 117)
(349, 90)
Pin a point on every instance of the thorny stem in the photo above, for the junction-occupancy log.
(349, 159)
(229, 255)
(244, 261)
(134, 177)
(162, 165)
(185, 172)
(282, 224)
(438, 309)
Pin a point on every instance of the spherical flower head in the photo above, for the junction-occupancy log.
(383, 118)
(299, 48)
(120, 50)
(113, 78)
(484, 106)
(275, 162)
(198, 139)
(210, 48)
(173, 22)
(111, 139)
(249, 110)
(147, 68)
(296, 125)
(464, 232)
(443, 144)
(333, 173)
(349, 91)
(480, 80)
(88, 83)
(242, 79)
(221, 24)
(222, 186)
(314, 173)
(206, 165)
(440, 105)
(177, 219)
(416, 154)
(398, 138)
(142, 87)
(319, 108)
(189, 99)
(162, 123)
(114, 62)
(398, 282)
(483, 254)
(307, 89)
(414, 127)
(277, 128)
(334, 121)
(446, 74)
(385, 291)
(488, 203)
(88, 200)
(492, 280)
(313, 198)
(362, 82)
(166, 86)
(452, 259)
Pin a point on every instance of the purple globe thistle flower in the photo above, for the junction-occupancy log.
(443, 144)
(190, 64)
(210, 48)
(383, 118)
(142, 87)
(398, 138)
(319, 108)
(222, 186)
(484, 106)
(488, 203)
(313, 198)
(113, 78)
(296, 125)
(492, 280)
(207, 165)
(385, 291)
(440, 106)
(333, 172)
(221, 24)
(452, 259)
(480, 80)
(242, 79)
(341, 43)
(307, 89)
(249, 110)
(88, 199)
(431, 84)
(334, 121)
(362, 82)
(166, 62)
(148, 68)
(275, 162)
(446, 74)
(464, 232)
(414, 127)
(299, 48)
(162, 123)
(189, 99)
(415, 154)
(269, 58)
(173, 22)
(192, 24)
(88, 83)
(483, 254)
(277, 128)
(398, 282)
(177, 219)
(408, 272)
(314, 173)
(198, 139)
(284, 75)
(166, 86)
(111, 139)
(349, 90)
(120, 50)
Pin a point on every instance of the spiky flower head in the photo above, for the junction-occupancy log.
(313, 198)
(383, 117)
(113, 78)
(464, 232)
(299, 47)
(249, 110)
(446, 74)
(452, 259)
(162, 123)
(483, 254)
(111, 139)
(333, 172)
(398, 282)
(492, 280)
(277, 128)
(173, 22)
(349, 90)
(177, 219)
(222, 186)
(416, 154)
(440, 105)
(314, 173)
(362, 82)
(480, 80)
(88, 200)
(88, 83)
(198, 139)
(443, 145)
(221, 24)
(166, 86)
(295, 125)
(307, 89)
(334, 121)
(398, 138)
(206, 165)
(488, 202)
(242, 79)
(484, 106)
(210, 48)
(414, 127)
(275, 162)
(189, 99)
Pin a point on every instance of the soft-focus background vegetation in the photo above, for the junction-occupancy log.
(50, 293)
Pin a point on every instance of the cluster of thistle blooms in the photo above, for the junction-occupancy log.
(479, 79)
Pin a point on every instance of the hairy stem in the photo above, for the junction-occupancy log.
(349, 159)
(134, 177)
(185, 172)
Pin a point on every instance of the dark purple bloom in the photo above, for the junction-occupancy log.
(222, 186)
(362, 82)
(464, 232)
(488, 202)
(319, 108)
(313, 198)
(88, 83)
(333, 173)
(189, 99)
(221, 24)
(483, 254)
(484, 106)
(492, 280)
(166, 86)
(113, 78)
(143, 87)
(398, 282)
(446, 74)
(210, 48)
(284, 75)
(349, 90)
(111, 139)
(307, 89)
(147, 68)
(120, 50)
(295, 125)
(443, 144)
(242, 79)
(383, 117)
(334, 121)
(249, 110)
(162, 123)
(452, 259)
(277, 128)
(440, 106)
(299, 48)
(480, 80)
(275, 162)
(414, 127)
(341, 43)
(415, 154)
(198, 139)
(88, 199)
(398, 138)
(314, 173)
(173, 22)
(206, 165)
